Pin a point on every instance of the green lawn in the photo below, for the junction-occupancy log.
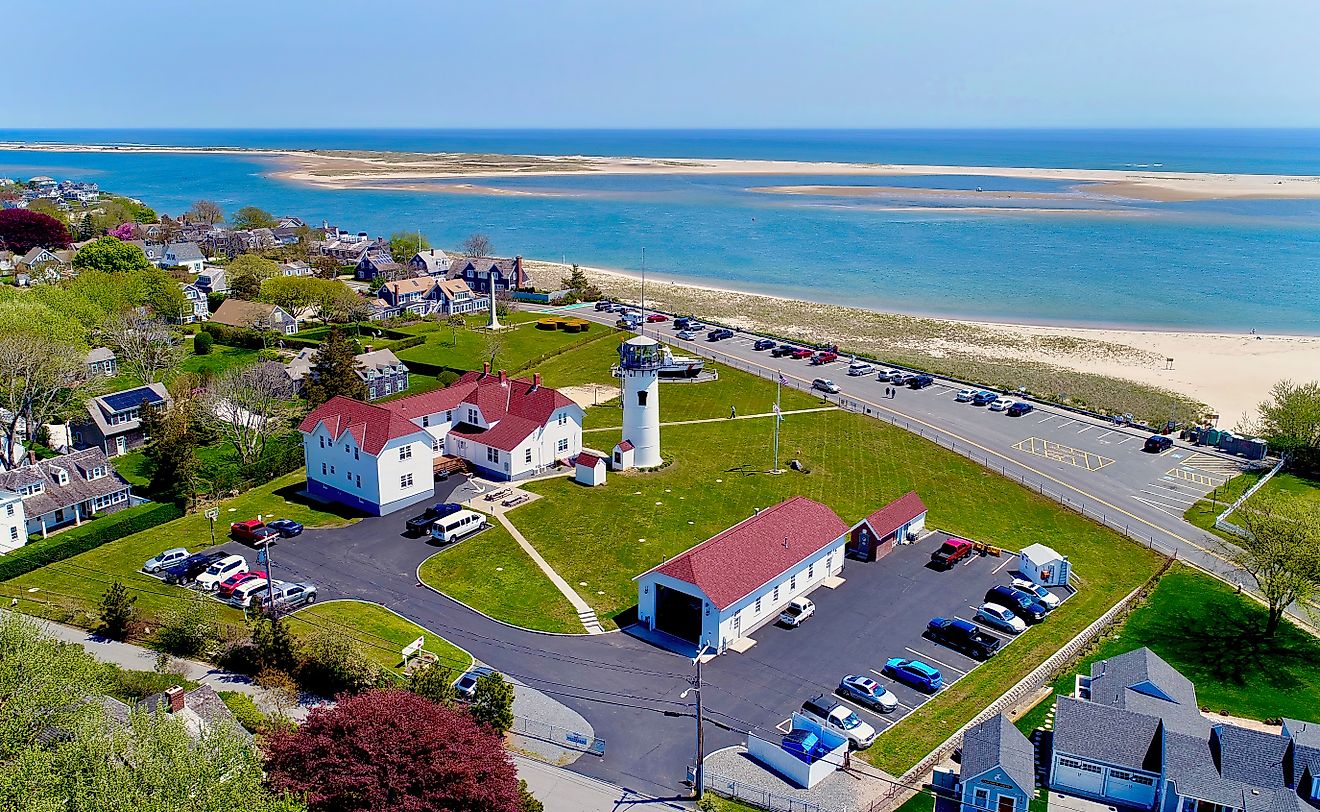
(492, 574)
(1284, 485)
(221, 358)
(465, 349)
(381, 633)
(133, 467)
(71, 589)
(417, 384)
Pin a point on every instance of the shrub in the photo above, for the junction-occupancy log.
(132, 686)
(447, 377)
(405, 343)
(116, 611)
(188, 629)
(333, 664)
(89, 537)
(245, 710)
(547, 324)
(268, 355)
(202, 343)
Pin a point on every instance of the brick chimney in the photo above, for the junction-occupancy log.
(175, 697)
(485, 369)
(536, 381)
(503, 377)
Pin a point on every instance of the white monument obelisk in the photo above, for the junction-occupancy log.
(494, 319)
(639, 365)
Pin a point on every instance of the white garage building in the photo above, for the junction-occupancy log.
(725, 587)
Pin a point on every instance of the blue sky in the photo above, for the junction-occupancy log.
(712, 63)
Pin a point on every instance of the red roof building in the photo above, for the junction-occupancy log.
(898, 522)
(371, 426)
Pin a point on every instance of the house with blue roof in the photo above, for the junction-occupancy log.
(114, 421)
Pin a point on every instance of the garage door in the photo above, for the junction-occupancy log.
(677, 613)
(1132, 788)
(1069, 773)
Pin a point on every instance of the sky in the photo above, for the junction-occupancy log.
(677, 63)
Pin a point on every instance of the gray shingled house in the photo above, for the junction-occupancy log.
(68, 489)
(998, 768)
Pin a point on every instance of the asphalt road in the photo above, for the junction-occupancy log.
(1087, 463)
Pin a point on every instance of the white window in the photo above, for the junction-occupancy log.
(348, 475)
(528, 458)
(13, 534)
(563, 419)
(561, 446)
(332, 469)
(359, 480)
(322, 439)
(472, 415)
(406, 481)
(811, 571)
(435, 445)
(792, 582)
(405, 453)
(775, 597)
(355, 453)
(492, 454)
(757, 608)
(9, 509)
(449, 416)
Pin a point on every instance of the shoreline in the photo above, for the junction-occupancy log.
(1229, 372)
(348, 169)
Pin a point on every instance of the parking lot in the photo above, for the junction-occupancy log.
(880, 611)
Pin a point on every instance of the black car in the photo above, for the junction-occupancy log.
(1018, 602)
(1158, 443)
(782, 350)
(682, 323)
(921, 382)
(763, 344)
(1019, 408)
(287, 528)
(961, 635)
(421, 523)
(719, 335)
(189, 568)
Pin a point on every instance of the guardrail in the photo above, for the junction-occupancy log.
(1222, 522)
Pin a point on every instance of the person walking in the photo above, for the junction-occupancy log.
(733, 411)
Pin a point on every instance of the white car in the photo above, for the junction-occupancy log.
(220, 570)
(798, 610)
(965, 395)
(687, 335)
(1001, 404)
(1042, 594)
(840, 719)
(860, 368)
(244, 593)
(901, 378)
(883, 374)
(992, 614)
(165, 560)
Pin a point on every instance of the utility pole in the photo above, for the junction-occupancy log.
(774, 466)
(699, 775)
(270, 573)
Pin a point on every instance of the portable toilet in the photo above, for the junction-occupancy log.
(1256, 449)
(1225, 440)
(1044, 566)
(1211, 437)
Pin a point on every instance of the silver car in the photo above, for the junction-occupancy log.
(289, 595)
(992, 614)
(167, 559)
(1042, 594)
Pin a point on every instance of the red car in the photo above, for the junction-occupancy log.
(824, 357)
(801, 353)
(656, 317)
(236, 580)
(251, 531)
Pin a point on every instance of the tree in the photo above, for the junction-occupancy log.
(337, 302)
(326, 267)
(171, 456)
(147, 348)
(1280, 551)
(42, 370)
(492, 702)
(455, 321)
(581, 286)
(335, 371)
(87, 227)
(250, 217)
(249, 405)
(403, 244)
(493, 346)
(245, 287)
(164, 295)
(246, 274)
(333, 664)
(276, 648)
(202, 343)
(393, 750)
(435, 682)
(189, 627)
(478, 245)
(530, 803)
(110, 255)
(1290, 420)
(205, 211)
(22, 230)
(116, 611)
(48, 208)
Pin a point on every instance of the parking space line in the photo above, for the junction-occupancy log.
(1002, 564)
(1088, 428)
(1125, 439)
(933, 660)
(1065, 424)
(1046, 420)
(1106, 434)
(1171, 497)
(1058, 452)
(1160, 508)
(1167, 453)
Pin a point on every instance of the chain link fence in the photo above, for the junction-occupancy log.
(561, 736)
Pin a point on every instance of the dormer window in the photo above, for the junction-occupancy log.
(61, 476)
(96, 473)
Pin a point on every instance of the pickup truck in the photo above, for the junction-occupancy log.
(951, 552)
(960, 635)
(252, 531)
(421, 523)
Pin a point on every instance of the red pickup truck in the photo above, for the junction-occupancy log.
(951, 552)
(252, 531)
(824, 357)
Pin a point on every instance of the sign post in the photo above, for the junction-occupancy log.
(212, 514)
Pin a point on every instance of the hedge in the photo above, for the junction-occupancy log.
(236, 336)
(80, 540)
(402, 344)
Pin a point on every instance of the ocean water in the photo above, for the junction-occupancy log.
(1207, 265)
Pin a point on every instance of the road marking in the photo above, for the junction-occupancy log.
(1171, 498)
(1160, 508)
(1066, 423)
(1125, 439)
(1167, 453)
(933, 660)
(1106, 434)
(1088, 428)
(1046, 420)
(1196, 476)
(785, 726)
(1068, 455)
(1004, 563)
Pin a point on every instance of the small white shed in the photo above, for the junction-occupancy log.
(623, 456)
(590, 469)
(1044, 566)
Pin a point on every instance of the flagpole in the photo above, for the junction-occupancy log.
(774, 467)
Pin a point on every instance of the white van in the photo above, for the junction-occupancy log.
(246, 591)
(451, 528)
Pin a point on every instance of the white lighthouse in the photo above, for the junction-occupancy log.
(639, 365)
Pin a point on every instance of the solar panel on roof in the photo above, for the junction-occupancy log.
(121, 401)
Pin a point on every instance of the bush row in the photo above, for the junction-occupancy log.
(101, 531)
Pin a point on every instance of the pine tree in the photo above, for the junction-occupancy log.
(116, 611)
(172, 464)
(335, 371)
(492, 702)
(274, 643)
(435, 682)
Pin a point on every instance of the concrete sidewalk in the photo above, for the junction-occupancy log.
(565, 791)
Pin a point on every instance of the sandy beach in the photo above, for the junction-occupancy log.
(344, 169)
(1230, 373)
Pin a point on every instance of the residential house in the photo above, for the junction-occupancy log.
(292, 222)
(374, 457)
(101, 361)
(199, 308)
(1132, 734)
(68, 489)
(114, 421)
(7, 261)
(348, 249)
(378, 261)
(212, 279)
(13, 521)
(998, 768)
(200, 710)
(45, 265)
(382, 372)
(729, 585)
(481, 273)
(899, 522)
(286, 235)
(424, 296)
(296, 268)
(432, 262)
(173, 255)
(255, 316)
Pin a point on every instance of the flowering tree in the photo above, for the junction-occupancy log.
(123, 231)
(22, 230)
(393, 750)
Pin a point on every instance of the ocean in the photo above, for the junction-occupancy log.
(1205, 265)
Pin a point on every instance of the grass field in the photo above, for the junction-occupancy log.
(1284, 485)
(221, 358)
(71, 589)
(466, 349)
(492, 574)
(381, 633)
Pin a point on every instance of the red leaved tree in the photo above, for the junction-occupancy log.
(22, 230)
(396, 751)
